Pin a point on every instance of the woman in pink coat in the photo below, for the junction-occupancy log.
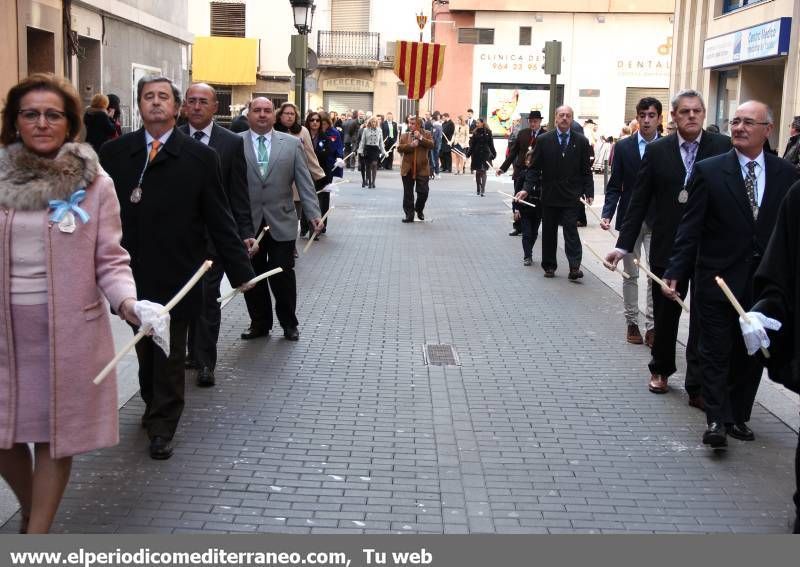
(59, 251)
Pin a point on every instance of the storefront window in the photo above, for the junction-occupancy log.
(731, 5)
(727, 98)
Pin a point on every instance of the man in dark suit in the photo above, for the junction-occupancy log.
(732, 209)
(663, 176)
(171, 197)
(560, 168)
(446, 152)
(471, 122)
(201, 104)
(626, 163)
(390, 135)
(528, 218)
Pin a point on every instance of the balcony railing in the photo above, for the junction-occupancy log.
(348, 46)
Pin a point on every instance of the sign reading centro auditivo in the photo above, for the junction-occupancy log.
(770, 39)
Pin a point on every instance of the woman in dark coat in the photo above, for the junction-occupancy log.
(99, 126)
(481, 150)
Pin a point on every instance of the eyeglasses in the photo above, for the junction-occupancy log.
(746, 122)
(313, 119)
(30, 116)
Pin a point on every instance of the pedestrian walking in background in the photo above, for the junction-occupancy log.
(436, 134)
(98, 124)
(115, 112)
(328, 149)
(371, 150)
(170, 190)
(51, 352)
(446, 154)
(415, 145)
(481, 151)
(287, 120)
(460, 144)
(792, 152)
(390, 136)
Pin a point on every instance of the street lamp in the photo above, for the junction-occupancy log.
(303, 12)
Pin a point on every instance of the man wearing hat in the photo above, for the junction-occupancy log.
(525, 218)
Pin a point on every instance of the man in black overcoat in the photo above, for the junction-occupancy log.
(526, 219)
(201, 105)
(560, 166)
(732, 209)
(663, 179)
(171, 197)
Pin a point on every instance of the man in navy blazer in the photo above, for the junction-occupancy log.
(201, 105)
(627, 160)
(733, 206)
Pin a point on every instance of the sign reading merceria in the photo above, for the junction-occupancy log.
(348, 84)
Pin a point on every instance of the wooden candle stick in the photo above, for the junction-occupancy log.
(622, 272)
(610, 231)
(517, 200)
(737, 306)
(660, 282)
(311, 238)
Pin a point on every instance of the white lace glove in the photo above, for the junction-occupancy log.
(754, 330)
(149, 314)
(339, 163)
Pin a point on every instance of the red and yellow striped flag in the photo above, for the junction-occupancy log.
(419, 66)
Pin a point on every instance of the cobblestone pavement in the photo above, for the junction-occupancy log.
(546, 427)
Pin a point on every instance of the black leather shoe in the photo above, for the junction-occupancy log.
(291, 334)
(408, 219)
(575, 274)
(549, 273)
(715, 435)
(740, 431)
(190, 364)
(205, 377)
(514, 233)
(160, 448)
(420, 216)
(254, 333)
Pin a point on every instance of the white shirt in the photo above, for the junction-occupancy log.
(760, 173)
(207, 131)
(267, 141)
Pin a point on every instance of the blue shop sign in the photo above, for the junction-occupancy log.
(763, 41)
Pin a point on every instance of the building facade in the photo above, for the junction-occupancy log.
(111, 44)
(735, 50)
(613, 53)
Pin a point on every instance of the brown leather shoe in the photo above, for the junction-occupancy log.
(650, 338)
(658, 384)
(634, 335)
(697, 402)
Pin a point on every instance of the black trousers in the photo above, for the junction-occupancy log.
(410, 184)
(666, 318)
(388, 161)
(204, 330)
(568, 218)
(324, 199)
(348, 149)
(447, 160)
(529, 221)
(273, 254)
(162, 381)
(730, 377)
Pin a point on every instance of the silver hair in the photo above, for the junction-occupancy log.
(687, 93)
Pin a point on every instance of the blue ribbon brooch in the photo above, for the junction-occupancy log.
(63, 211)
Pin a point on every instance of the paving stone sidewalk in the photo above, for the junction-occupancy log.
(546, 427)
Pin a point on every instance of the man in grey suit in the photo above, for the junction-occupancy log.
(274, 161)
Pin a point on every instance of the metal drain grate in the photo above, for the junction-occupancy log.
(440, 355)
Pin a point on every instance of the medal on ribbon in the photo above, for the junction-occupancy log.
(136, 195)
(683, 196)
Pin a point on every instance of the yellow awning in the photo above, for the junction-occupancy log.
(225, 60)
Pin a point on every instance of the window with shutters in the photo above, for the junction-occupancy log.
(228, 19)
(525, 35)
(350, 15)
(478, 36)
(634, 94)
